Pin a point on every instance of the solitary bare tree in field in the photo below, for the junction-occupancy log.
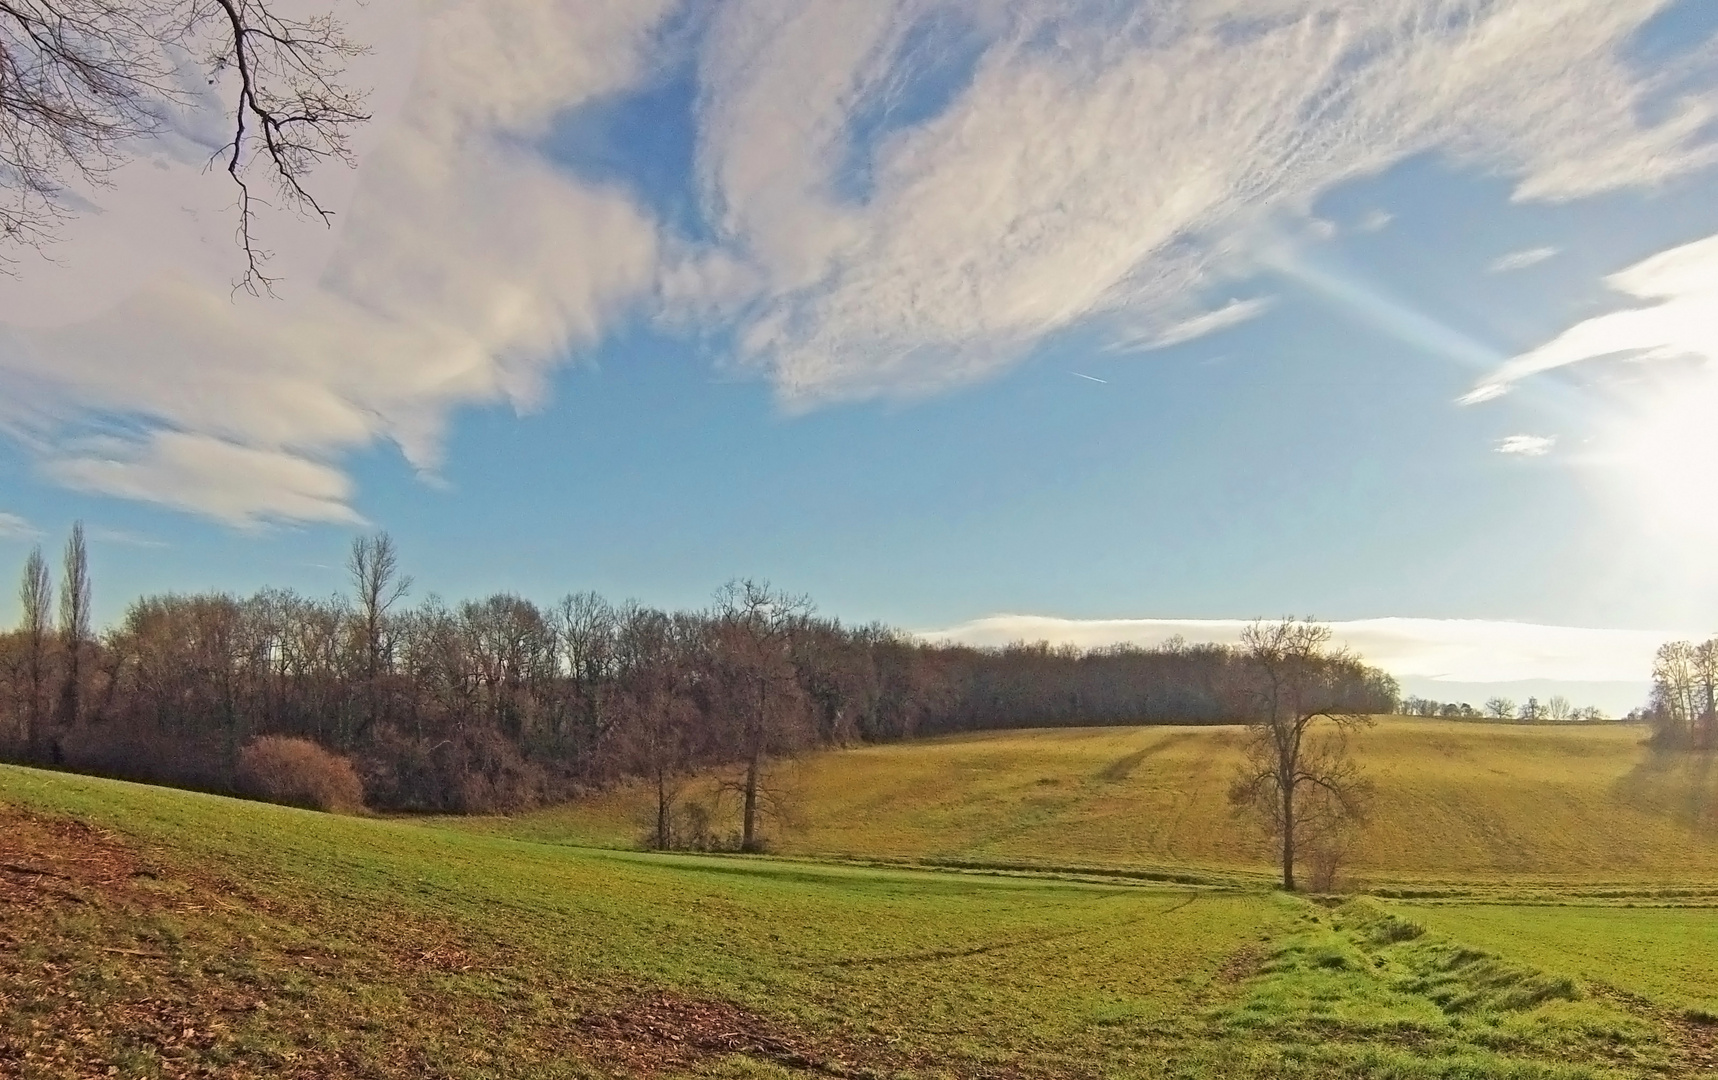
(83, 82)
(1302, 698)
(753, 631)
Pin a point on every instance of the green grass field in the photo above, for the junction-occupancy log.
(154, 933)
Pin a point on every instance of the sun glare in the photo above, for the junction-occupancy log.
(1662, 450)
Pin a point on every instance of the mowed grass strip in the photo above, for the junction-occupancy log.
(1458, 802)
(163, 933)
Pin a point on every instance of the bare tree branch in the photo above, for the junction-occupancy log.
(82, 82)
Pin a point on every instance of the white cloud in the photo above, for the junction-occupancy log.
(1234, 313)
(1102, 174)
(124, 538)
(464, 267)
(1521, 260)
(239, 485)
(1526, 445)
(1445, 650)
(1100, 164)
(13, 527)
(1376, 221)
(1679, 292)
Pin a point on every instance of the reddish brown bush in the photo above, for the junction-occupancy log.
(297, 772)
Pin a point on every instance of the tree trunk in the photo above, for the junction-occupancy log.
(71, 690)
(748, 837)
(1288, 838)
(662, 837)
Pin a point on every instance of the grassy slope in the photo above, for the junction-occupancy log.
(168, 933)
(1458, 802)
(1667, 954)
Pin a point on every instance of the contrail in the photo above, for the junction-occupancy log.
(1094, 378)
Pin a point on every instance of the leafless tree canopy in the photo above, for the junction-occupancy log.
(755, 629)
(74, 625)
(498, 703)
(83, 81)
(1302, 697)
(1683, 710)
(35, 625)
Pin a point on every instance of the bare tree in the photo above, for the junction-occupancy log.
(74, 625)
(82, 81)
(1301, 703)
(1675, 693)
(1706, 679)
(754, 628)
(35, 602)
(653, 673)
(1500, 708)
(587, 628)
(374, 567)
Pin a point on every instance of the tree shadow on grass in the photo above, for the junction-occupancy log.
(1679, 784)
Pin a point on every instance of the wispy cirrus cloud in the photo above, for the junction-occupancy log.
(1521, 260)
(124, 538)
(900, 197)
(1526, 445)
(1376, 221)
(1107, 173)
(15, 527)
(1234, 313)
(240, 485)
(1676, 293)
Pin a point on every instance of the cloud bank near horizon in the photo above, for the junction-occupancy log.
(1436, 650)
(900, 197)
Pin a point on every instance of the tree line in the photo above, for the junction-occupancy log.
(1555, 709)
(502, 703)
(1683, 707)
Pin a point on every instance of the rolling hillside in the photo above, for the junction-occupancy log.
(154, 933)
(1456, 801)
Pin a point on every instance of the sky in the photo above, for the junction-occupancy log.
(1086, 321)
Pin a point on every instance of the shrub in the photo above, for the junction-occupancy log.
(473, 772)
(297, 772)
(1324, 863)
(1392, 929)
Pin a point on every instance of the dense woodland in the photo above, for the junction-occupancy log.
(502, 703)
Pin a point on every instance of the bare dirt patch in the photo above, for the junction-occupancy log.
(46, 860)
(1694, 1037)
(1242, 965)
(665, 1031)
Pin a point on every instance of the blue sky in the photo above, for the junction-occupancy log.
(1194, 310)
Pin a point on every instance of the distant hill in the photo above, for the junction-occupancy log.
(1455, 800)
